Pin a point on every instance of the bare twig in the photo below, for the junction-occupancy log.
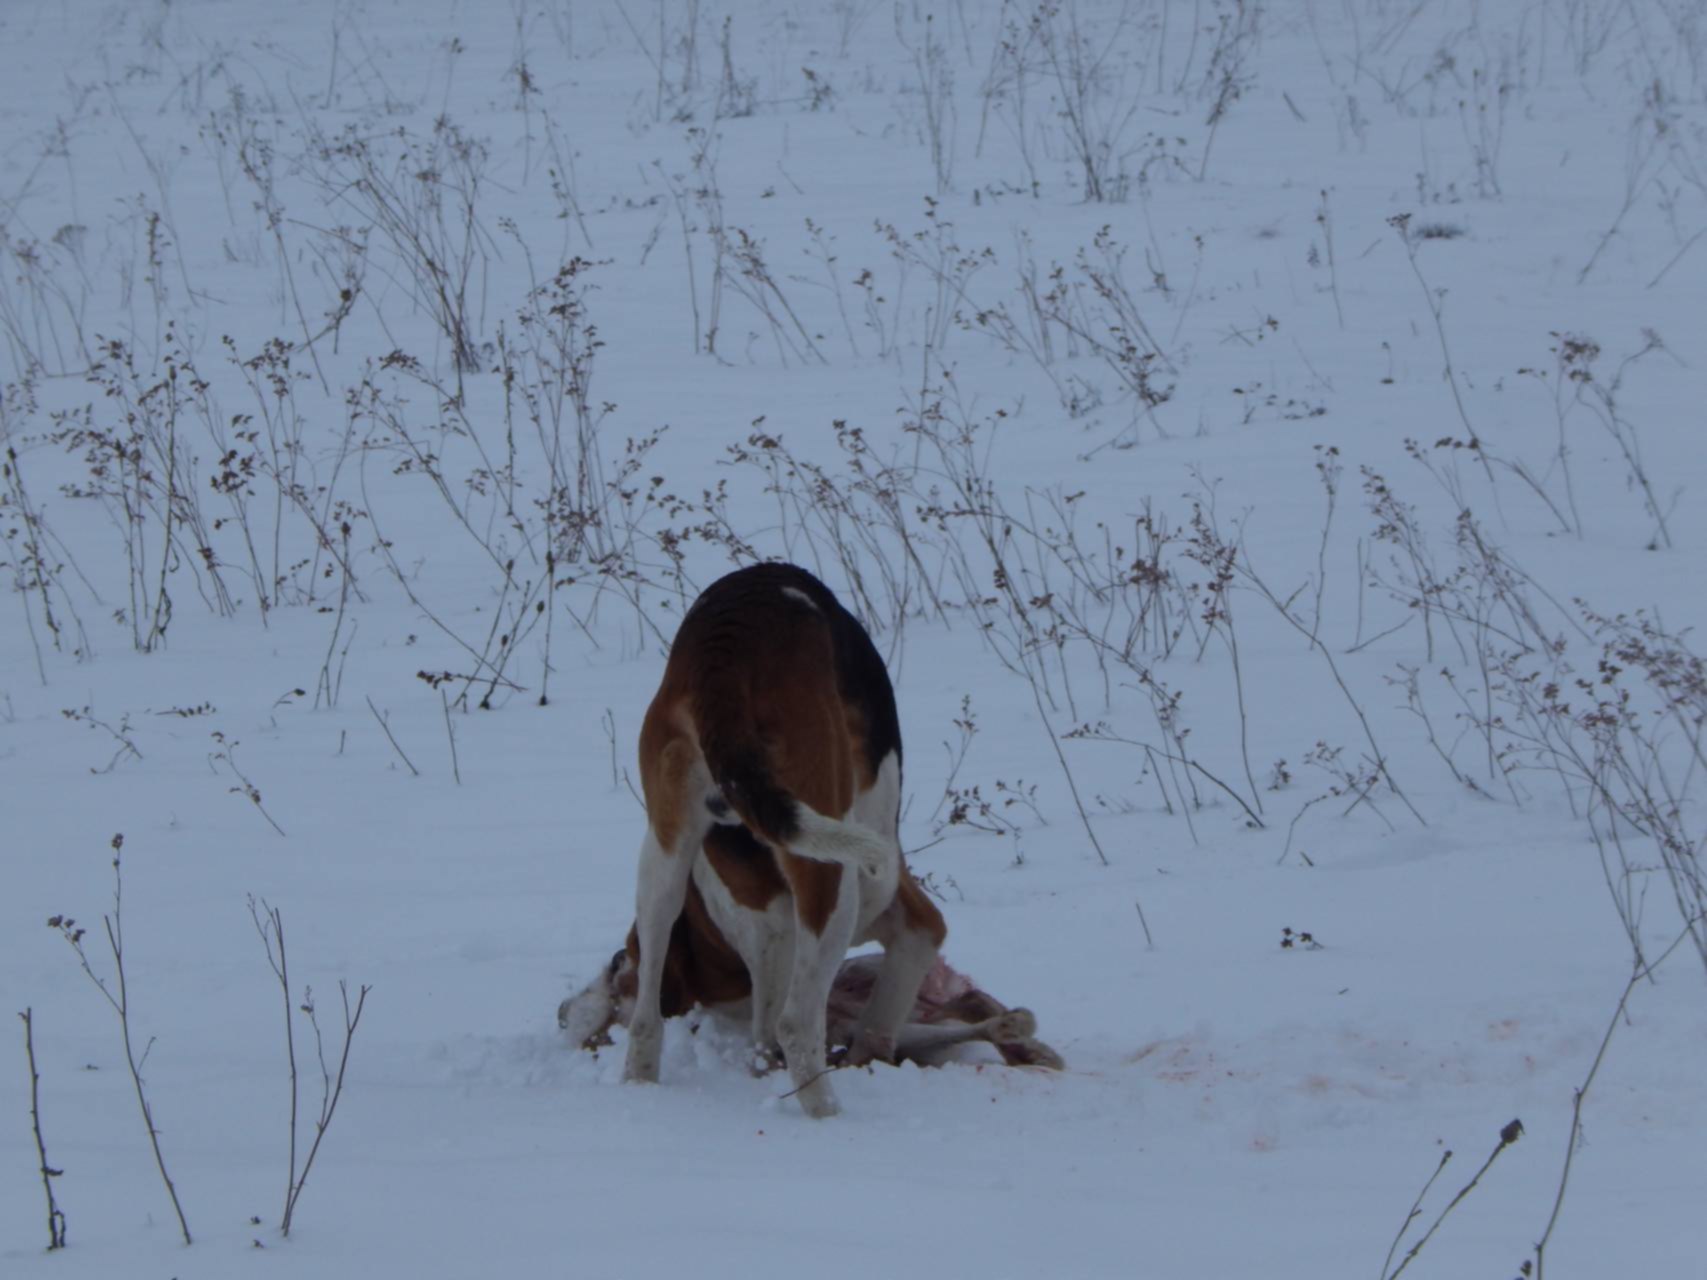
(1377, 755)
(450, 732)
(245, 787)
(1508, 1135)
(269, 923)
(121, 1006)
(1436, 309)
(1416, 1211)
(1072, 786)
(402, 755)
(55, 1215)
(1641, 970)
(332, 1087)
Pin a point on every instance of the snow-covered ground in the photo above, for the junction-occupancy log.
(1078, 347)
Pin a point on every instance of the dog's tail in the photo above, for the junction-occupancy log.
(746, 782)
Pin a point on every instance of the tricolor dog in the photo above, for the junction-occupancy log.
(774, 733)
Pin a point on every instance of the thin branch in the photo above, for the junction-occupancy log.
(402, 755)
(1638, 972)
(121, 1006)
(269, 923)
(332, 1088)
(1508, 1135)
(1416, 1211)
(450, 732)
(55, 1216)
(1072, 786)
